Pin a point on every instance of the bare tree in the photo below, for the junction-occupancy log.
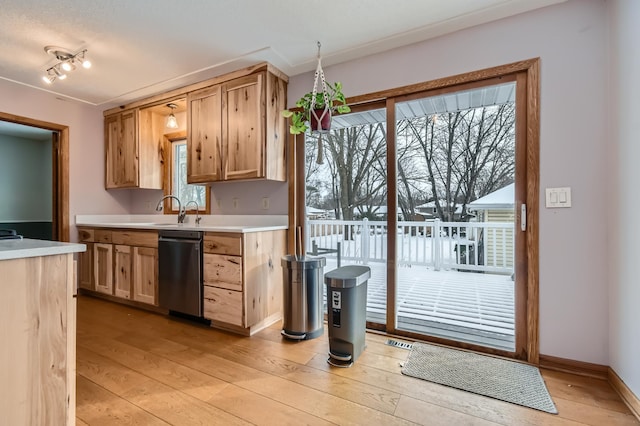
(466, 154)
(356, 163)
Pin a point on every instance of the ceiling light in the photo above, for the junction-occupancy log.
(172, 123)
(66, 63)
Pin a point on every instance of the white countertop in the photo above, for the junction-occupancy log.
(208, 223)
(17, 249)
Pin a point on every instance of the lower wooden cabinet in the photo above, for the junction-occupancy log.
(123, 263)
(145, 275)
(122, 272)
(103, 267)
(85, 267)
(243, 279)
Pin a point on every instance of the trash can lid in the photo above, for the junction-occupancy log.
(347, 276)
(291, 261)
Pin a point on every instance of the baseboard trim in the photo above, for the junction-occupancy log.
(580, 368)
(627, 395)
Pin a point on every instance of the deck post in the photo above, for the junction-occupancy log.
(437, 245)
(364, 235)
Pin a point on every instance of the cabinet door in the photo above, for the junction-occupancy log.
(145, 275)
(85, 267)
(121, 150)
(103, 267)
(122, 276)
(244, 128)
(204, 135)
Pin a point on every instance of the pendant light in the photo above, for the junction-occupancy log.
(172, 123)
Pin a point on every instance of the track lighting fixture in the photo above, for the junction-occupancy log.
(67, 62)
(172, 123)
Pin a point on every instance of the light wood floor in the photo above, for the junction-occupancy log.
(136, 367)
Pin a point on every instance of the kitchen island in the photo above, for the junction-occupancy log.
(38, 332)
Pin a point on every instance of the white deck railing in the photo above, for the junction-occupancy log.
(473, 246)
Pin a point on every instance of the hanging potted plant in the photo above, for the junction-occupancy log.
(314, 109)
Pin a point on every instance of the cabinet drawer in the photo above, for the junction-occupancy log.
(102, 236)
(136, 238)
(223, 305)
(86, 235)
(223, 244)
(223, 271)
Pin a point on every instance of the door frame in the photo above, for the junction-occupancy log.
(60, 178)
(527, 74)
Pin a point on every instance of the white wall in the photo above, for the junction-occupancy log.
(570, 39)
(624, 181)
(86, 146)
(25, 180)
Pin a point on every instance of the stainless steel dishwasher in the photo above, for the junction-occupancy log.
(180, 271)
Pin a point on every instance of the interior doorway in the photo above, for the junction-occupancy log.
(59, 168)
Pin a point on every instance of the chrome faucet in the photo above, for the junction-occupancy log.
(181, 212)
(197, 210)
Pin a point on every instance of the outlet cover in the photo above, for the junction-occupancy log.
(265, 203)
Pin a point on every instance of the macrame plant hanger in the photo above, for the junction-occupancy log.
(321, 114)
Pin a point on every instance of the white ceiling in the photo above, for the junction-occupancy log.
(142, 47)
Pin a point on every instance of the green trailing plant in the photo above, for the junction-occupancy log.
(300, 116)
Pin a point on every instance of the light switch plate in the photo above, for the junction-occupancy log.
(558, 197)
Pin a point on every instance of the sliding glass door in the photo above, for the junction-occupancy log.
(455, 237)
(346, 200)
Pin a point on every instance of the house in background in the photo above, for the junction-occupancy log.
(497, 206)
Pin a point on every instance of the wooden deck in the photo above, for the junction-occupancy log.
(466, 306)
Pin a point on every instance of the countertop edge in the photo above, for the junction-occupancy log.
(19, 249)
(186, 227)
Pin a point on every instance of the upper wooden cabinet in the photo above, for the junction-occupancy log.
(235, 130)
(120, 138)
(134, 150)
(204, 135)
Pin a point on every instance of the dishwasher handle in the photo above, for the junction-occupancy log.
(179, 240)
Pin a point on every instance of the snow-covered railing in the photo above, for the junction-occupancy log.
(472, 246)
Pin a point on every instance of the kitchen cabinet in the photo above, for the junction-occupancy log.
(134, 150)
(103, 267)
(243, 279)
(122, 271)
(235, 130)
(145, 275)
(204, 135)
(85, 267)
(124, 264)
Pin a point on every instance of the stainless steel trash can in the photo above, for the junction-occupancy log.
(303, 313)
(346, 313)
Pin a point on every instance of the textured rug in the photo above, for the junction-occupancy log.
(501, 379)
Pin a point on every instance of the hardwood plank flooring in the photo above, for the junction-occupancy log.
(141, 368)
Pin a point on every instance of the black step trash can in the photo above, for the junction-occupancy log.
(303, 313)
(346, 313)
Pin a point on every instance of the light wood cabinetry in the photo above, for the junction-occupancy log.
(103, 267)
(122, 271)
(235, 130)
(124, 263)
(243, 280)
(145, 275)
(120, 135)
(38, 359)
(204, 135)
(85, 267)
(134, 150)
